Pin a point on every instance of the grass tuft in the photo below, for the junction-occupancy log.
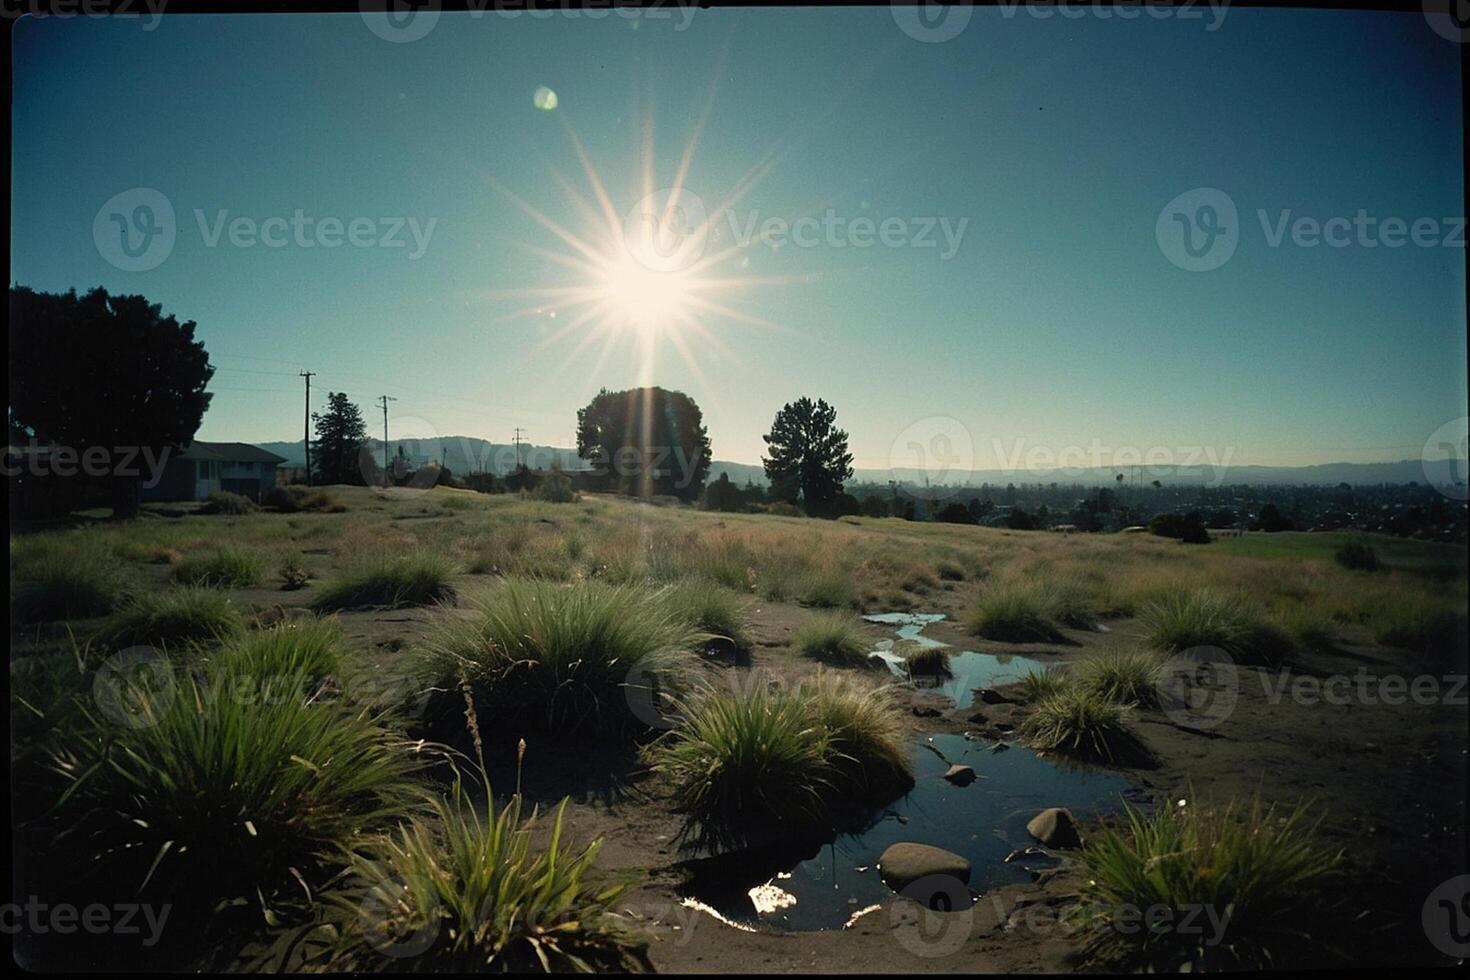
(64, 584)
(1181, 620)
(1080, 722)
(226, 566)
(833, 638)
(1012, 613)
(1124, 676)
(1262, 868)
(388, 581)
(173, 617)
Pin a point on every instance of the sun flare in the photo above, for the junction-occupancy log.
(647, 299)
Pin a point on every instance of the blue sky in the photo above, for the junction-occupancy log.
(1058, 321)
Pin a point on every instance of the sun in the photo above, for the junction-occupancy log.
(646, 299)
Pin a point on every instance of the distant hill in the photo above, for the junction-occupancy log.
(468, 454)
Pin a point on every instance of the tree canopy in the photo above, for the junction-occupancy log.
(104, 371)
(808, 455)
(645, 442)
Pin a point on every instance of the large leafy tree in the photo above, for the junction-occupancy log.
(341, 437)
(808, 455)
(645, 441)
(104, 373)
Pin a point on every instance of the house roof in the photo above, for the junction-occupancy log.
(234, 452)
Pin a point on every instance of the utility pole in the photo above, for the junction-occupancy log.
(518, 446)
(384, 400)
(306, 434)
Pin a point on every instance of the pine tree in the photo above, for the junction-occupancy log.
(808, 455)
(340, 438)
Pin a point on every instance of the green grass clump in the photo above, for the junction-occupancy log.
(407, 580)
(1125, 676)
(222, 567)
(830, 588)
(950, 571)
(1012, 613)
(486, 896)
(711, 609)
(1080, 722)
(292, 572)
(1041, 684)
(1265, 869)
(578, 659)
(1418, 626)
(833, 638)
(1182, 620)
(761, 764)
(172, 617)
(1358, 556)
(214, 800)
(65, 584)
(312, 648)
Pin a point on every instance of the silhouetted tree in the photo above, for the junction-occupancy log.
(722, 495)
(645, 442)
(340, 443)
(104, 374)
(1272, 519)
(955, 513)
(874, 506)
(808, 455)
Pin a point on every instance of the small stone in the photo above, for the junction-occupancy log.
(924, 711)
(988, 696)
(960, 775)
(905, 863)
(1054, 827)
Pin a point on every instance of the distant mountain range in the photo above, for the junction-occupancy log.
(468, 454)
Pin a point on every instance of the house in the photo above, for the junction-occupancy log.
(201, 468)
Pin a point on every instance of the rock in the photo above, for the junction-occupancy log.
(1055, 827)
(988, 696)
(960, 775)
(924, 711)
(977, 717)
(903, 864)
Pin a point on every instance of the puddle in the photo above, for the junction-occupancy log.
(968, 669)
(984, 822)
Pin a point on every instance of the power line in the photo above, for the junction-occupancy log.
(384, 400)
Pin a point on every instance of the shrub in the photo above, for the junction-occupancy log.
(224, 502)
(579, 659)
(267, 794)
(294, 498)
(763, 764)
(415, 579)
(555, 487)
(65, 584)
(225, 566)
(1125, 676)
(178, 616)
(923, 661)
(1359, 556)
(1266, 869)
(950, 571)
(292, 572)
(1015, 613)
(1182, 620)
(833, 638)
(1080, 722)
(711, 609)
